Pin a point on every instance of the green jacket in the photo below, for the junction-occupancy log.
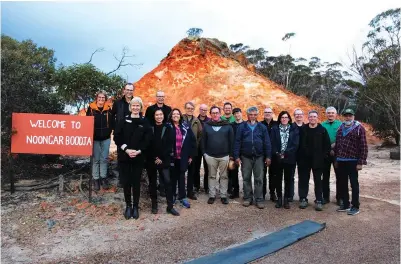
(332, 129)
(231, 119)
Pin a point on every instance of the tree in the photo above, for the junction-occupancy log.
(194, 33)
(27, 82)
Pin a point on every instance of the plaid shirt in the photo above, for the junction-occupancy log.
(178, 142)
(353, 145)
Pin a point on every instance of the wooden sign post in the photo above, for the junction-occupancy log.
(52, 134)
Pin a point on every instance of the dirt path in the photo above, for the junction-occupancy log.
(85, 233)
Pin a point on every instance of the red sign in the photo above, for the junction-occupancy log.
(52, 134)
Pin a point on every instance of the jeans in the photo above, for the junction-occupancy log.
(287, 170)
(255, 165)
(303, 182)
(347, 170)
(221, 165)
(326, 180)
(178, 177)
(100, 158)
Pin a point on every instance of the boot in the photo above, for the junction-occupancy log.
(97, 184)
(105, 183)
(135, 212)
(279, 202)
(286, 203)
(128, 212)
(154, 207)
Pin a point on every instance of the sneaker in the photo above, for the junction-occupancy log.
(192, 197)
(173, 211)
(247, 203)
(304, 204)
(353, 211)
(105, 184)
(211, 200)
(319, 206)
(342, 208)
(224, 200)
(185, 203)
(260, 205)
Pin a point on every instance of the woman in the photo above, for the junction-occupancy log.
(158, 160)
(184, 148)
(101, 112)
(132, 137)
(285, 141)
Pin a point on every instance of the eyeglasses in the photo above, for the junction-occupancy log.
(284, 117)
(214, 113)
(252, 114)
(268, 112)
(203, 109)
(101, 97)
(190, 108)
(129, 90)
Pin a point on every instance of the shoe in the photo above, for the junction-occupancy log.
(105, 184)
(343, 208)
(154, 207)
(185, 203)
(325, 201)
(304, 203)
(286, 203)
(247, 203)
(234, 195)
(279, 202)
(211, 200)
(290, 200)
(173, 211)
(135, 212)
(128, 212)
(319, 206)
(192, 197)
(339, 202)
(97, 185)
(353, 211)
(273, 197)
(260, 205)
(224, 200)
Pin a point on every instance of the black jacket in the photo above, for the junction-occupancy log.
(150, 113)
(163, 151)
(316, 156)
(136, 133)
(120, 109)
(103, 121)
(188, 149)
(270, 125)
(290, 154)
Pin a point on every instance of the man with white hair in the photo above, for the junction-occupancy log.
(252, 149)
(331, 125)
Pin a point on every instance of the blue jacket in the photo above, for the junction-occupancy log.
(188, 149)
(252, 144)
(290, 154)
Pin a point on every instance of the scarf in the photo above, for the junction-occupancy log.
(284, 135)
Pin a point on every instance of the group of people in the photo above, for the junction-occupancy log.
(170, 145)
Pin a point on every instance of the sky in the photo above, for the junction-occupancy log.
(325, 29)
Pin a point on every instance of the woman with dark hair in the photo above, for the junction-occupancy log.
(132, 137)
(103, 122)
(285, 141)
(184, 148)
(158, 160)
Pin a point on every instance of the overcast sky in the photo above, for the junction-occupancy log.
(326, 29)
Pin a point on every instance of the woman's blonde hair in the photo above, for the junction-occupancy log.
(136, 99)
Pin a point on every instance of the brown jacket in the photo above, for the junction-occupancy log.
(196, 127)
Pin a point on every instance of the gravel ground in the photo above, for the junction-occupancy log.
(98, 234)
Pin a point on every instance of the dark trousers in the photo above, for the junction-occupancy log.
(303, 181)
(347, 170)
(272, 170)
(132, 182)
(233, 182)
(178, 177)
(190, 178)
(165, 181)
(326, 179)
(285, 170)
(198, 162)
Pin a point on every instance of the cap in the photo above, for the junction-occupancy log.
(235, 110)
(349, 111)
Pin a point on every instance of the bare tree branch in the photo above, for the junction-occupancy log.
(122, 62)
(93, 53)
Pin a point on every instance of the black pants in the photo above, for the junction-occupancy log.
(178, 176)
(233, 182)
(165, 181)
(152, 176)
(272, 170)
(287, 171)
(198, 162)
(347, 170)
(131, 181)
(190, 178)
(303, 182)
(326, 180)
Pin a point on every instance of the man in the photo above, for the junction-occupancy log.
(314, 149)
(299, 122)
(217, 146)
(121, 109)
(150, 111)
(252, 149)
(269, 123)
(203, 118)
(299, 117)
(351, 152)
(228, 109)
(196, 127)
(331, 125)
(233, 182)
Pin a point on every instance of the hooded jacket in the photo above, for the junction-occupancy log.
(103, 120)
